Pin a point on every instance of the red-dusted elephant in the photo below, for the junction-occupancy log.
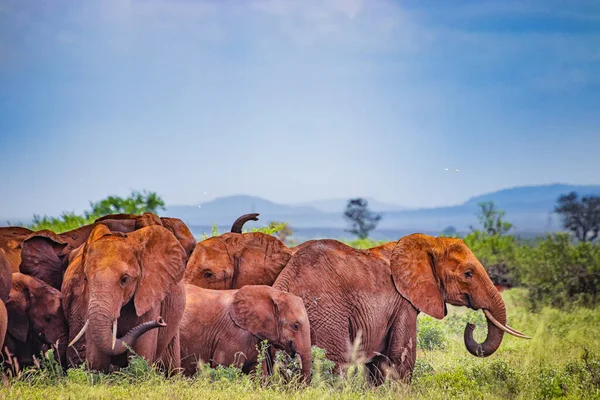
(117, 289)
(36, 320)
(224, 327)
(234, 259)
(349, 292)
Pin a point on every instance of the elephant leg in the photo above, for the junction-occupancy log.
(402, 348)
(3, 322)
(170, 360)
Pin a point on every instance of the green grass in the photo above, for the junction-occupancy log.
(551, 365)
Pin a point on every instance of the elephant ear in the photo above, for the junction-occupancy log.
(162, 262)
(415, 276)
(258, 258)
(43, 257)
(256, 310)
(17, 308)
(181, 232)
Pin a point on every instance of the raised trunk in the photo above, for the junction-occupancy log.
(239, 223)
(494, 334)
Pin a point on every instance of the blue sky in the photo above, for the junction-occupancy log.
(294, 100)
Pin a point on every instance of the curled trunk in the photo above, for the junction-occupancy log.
(103, 335)
(494, 334)
(239, 223)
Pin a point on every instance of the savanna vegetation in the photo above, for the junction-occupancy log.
(552, 293)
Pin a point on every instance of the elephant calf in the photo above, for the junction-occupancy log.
(224, 327)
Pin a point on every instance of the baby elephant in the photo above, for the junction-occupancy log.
(224, 327)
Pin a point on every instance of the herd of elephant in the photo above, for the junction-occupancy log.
(143, 283)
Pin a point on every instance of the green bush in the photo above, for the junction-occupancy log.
(430, 333)
(560, 273)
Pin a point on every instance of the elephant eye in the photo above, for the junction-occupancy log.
(296, 326)
(208, 274)
(124, 280)
(48, 319)
(468, 274)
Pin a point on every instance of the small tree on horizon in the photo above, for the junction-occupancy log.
(580, 216)
(492, 219)
(361, 219)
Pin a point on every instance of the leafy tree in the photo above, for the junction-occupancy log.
(136, 203)
(491, 219)
(580, 216)
(361, 219)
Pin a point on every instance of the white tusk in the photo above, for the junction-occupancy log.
(504, 328)
(114, 336)
(80, 334)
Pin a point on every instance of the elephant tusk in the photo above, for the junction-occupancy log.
(114, 334)
(506, 329)
(80, 334)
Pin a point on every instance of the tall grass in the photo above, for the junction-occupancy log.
(561, 361)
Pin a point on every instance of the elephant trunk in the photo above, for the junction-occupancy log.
(61, 348)
(497, 311)
(304, 351)
(239, 223)
(102, 323)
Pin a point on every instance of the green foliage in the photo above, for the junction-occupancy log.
(431, 334)
(491, 218)
(275, 228)
(66, 222)
(561, 361)
(580, 216)
(560, 273)
(363, 243)
(136, 203)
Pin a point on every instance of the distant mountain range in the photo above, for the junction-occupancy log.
(529, 208)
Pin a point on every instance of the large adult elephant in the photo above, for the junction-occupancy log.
(244, 318)
(35, 320)
(124, 285)
(352, 293)
(10, 241)
(45, 254)
(233, 260)
(5, 287)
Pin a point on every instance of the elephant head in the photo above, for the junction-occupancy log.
(36, 318)
(276, 316)
(430, 272)
(233, 260)
(138, 270)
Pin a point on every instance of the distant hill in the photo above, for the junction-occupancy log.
(529, 208)
(338, 205)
